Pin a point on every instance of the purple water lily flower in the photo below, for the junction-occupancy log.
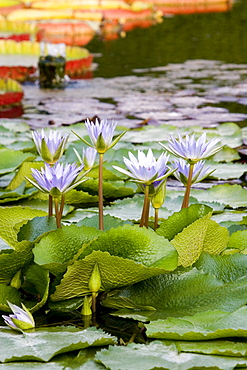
(101, 134)
(183, 168)
(57, 179)
(145, 169)
(21, 319)
(50, 147)
(190, 149)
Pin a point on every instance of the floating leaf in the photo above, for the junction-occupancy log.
(137, 244)
(80, 197)
(12, 159)
(226, 268)
(179, 220)
(44, 343)
(109, 222)
(158, 356)
(36, 227)
(37, 283)
(201, 326)
(215, 285)
(9, 217)
(231, 195)
(57, 249)
(12, 261)
(238, 240)
(227, 170)
(189, 243)
(115, 272)
(212, 347)
(8, 293)
(23, 172)
(111, 190)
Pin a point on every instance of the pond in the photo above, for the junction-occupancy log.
(202, 55)
(211, 36)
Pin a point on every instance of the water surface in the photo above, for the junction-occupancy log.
(212, 36)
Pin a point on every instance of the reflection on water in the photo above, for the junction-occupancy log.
(213, 36)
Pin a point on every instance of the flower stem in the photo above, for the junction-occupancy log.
(94, 296)
(145, 210)
(187, 191)
(62, 205)
(50, 211)
(58, 217)
(100, 193)
(156, 218)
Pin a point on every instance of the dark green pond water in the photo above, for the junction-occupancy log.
(212, 36)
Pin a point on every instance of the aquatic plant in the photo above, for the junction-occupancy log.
(101, 136)
(56, 181)
(20, 320)
(149, 174)
(192, 151)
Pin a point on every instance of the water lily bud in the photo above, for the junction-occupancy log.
(159, 197)
(16, 280)
(50, 147)
(86, 308)
(21, 319)
(94, 283)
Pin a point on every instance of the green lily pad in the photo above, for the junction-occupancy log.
(23, 172)
(227, 155)
(36, 283)
(222, 286)
(42, 344)
(68, 305)
(12, 261)
(230, 134)
(137, 244)
(202, 235)
(55, 250)
(179, 220)
(201, 326)
(158, 356)
(8, 293)
(213, 347)
(231, 195)
(36, 227)
(109, 222)
(11, 216)
(224, 171)
(115, 272)
(12, 159)
(78, 197)
(238, 240)
(226, 268)
(113, 190)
